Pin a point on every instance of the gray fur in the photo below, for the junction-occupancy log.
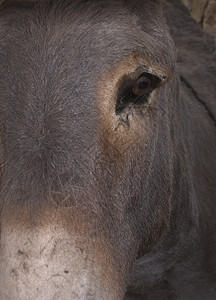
(156, 199)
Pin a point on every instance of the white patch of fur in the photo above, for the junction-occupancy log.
(46, 264)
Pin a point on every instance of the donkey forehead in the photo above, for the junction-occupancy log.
(96, 33)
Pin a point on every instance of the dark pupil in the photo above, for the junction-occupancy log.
(143, 85)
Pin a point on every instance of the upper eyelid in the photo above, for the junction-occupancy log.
(128, 81)
(148, 70)
(131, 78)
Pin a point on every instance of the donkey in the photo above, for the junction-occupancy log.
(107, 152)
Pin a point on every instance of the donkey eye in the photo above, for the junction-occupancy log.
(142, 86)
(136, 92)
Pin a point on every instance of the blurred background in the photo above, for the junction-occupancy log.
(204, 12)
